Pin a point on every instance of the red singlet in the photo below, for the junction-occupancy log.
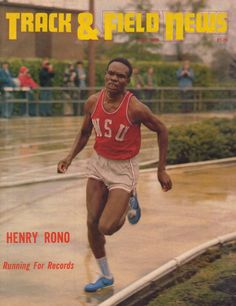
(116, 137)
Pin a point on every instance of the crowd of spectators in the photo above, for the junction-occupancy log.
(144, 86)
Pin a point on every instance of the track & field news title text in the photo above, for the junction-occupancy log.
(173, 26)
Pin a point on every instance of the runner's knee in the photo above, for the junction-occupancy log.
(107, 229)
(92, 222)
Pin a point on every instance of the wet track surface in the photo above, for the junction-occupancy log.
(30, 148)
(201, 206)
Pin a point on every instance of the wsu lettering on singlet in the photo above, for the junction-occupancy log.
(116, 137)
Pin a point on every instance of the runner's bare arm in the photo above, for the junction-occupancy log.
(82, 137)
(139, 113)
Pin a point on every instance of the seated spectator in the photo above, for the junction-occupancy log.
(25, 80)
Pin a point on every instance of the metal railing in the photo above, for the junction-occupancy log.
(47, 101)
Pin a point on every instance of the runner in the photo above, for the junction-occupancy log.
(116, 116)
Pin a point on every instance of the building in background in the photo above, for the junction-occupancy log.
(30, 45)
(67, 46)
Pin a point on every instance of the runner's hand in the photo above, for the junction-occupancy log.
(63, 165)
(164, 180)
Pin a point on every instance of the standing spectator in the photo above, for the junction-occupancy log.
(69, 80)
(80, 75)
(46, 75)
(185, 77)
(6, 81)
(137, 83)
(150, 84)
(80, 81)
(28, 83)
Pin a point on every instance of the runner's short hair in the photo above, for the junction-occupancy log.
(123, 61)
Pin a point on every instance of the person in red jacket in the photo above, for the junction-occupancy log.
(27, 83)
(116, 116)
(25, 78)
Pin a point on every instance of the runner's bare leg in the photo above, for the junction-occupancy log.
(96, 196)
(106, 213)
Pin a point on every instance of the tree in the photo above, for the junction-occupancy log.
(231, 61)
(203, 41)
(193, 5)
(223, 66)
(91, 53)
(140, 45)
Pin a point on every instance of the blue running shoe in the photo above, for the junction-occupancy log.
(134, 213)
(100, 283)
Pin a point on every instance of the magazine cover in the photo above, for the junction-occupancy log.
(117, 153)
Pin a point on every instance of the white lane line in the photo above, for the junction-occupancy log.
(28, 145)
(28, 172)
(51, 125)
(88, 147)
(77, 163)
(58, 177)
(9, 213)
(41, 169)
(149, 137)
(32, 155)
(31, 181)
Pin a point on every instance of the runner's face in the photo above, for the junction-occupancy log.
(116, 77)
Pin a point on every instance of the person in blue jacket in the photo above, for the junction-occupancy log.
(185, 77)
(6, 81)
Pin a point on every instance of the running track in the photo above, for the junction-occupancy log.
(200, 207)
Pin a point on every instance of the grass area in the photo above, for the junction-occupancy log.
(213, 285)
